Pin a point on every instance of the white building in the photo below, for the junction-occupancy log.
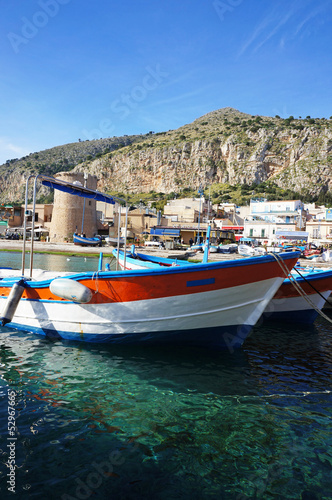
(268, 217)
(320, 225)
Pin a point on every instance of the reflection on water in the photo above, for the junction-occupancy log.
(162, 423)
(52, 262)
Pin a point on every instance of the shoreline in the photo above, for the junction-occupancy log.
(70, 249)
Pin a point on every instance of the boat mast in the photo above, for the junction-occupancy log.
(200, 192)
(25, 221)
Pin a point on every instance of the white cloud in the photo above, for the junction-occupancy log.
(9, 150)
(310, 16)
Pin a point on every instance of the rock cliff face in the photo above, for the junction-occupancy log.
(224, 146)
(299, 161)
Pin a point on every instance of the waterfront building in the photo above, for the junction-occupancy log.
(266, 218)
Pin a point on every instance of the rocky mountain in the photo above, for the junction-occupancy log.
(224, 146)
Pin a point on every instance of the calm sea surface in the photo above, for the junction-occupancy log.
(163, 423)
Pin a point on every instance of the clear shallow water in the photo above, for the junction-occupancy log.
(163, 423)
(51, 262)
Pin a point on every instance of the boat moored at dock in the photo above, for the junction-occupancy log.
(214, 304)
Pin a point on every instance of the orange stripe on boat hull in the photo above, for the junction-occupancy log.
(288, 290)
(126, 288)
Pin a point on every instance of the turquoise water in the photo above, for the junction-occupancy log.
(52, 262)
(163, 423)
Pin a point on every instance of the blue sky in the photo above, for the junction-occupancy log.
(77, 69)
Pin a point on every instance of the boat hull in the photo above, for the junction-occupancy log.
(86, 242)
(289, 306)
(211, 304)
(176, 319)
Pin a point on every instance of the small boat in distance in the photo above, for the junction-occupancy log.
(109, 240)
(248, 251)
(84, 241)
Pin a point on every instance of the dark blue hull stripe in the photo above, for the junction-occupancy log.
(228, 337)
(208, 281)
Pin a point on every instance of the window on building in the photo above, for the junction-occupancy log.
(263, 233)
(251, 232)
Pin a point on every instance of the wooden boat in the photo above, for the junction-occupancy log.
(136, 260)
(290, 305)
(85, 242)
(286, 305)
(214, 304)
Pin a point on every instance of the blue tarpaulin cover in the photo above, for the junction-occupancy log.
(76, 189)
(158, 231)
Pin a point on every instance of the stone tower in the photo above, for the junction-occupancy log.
(68, 210)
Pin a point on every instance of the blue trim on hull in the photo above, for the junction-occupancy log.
(227, 337)
(307, 316)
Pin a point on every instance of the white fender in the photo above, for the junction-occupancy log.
(71, 290)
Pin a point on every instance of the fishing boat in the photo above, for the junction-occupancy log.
(87, 242)
(247, 251)
(298, 302)
(137, 260)
(112, 241)
(301, 297)
(214, 304)
(197, 247)
(230, 248)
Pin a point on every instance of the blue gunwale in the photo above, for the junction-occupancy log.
(158, 271)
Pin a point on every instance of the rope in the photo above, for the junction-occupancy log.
(95, 277)
(298, 287)
(310, 284)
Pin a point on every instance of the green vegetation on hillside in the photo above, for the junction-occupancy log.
(225, 193)
(248, 136)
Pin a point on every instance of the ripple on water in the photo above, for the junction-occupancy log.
(172, 423)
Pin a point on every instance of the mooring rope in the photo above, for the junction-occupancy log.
(310, 284)
(298, 287)
(95, 277)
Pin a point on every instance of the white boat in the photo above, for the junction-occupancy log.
(247, 251)
(109, 240)
(230, 248)
(212, 248)
(214, 304)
